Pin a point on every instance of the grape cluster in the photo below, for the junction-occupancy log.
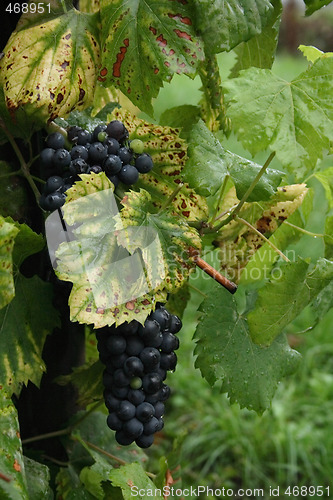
(137, 358)
(107, 149)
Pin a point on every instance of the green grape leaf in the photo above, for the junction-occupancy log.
(89, 6)
(104, 288)
(24, 324)
(225, 353)
(38, 480)
(312, 53)
(283, 298)
(260, 50)
(294, 119)
(323, 303)
(313, 5)
(69, 486)
(87, 379)
(27, 242)
(8, 232)
(174, 234)
(168, 152)
(145, 43)
(325, 177)
(131, 478)
(49, 67)
(209, 163)
(182, 117)
(13, 484)
(223, 24)
(177, 302)
(328, 238)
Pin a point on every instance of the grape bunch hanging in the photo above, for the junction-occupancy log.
(107, 149)
(137, 358)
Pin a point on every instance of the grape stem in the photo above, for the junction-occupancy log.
(24, 166)
(5, 478)
(213, 273)
(301, 230)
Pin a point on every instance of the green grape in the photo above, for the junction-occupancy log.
(102, 136)
(137, 146)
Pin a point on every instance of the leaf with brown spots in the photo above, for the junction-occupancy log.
(13, 483)
(49, 67)
(172, 231)
(145, 43)
(168, 152)
(7, 236)
(105, 290)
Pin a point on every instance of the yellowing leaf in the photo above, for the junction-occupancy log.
(49, 68)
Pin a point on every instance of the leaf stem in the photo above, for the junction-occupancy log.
(24, 166)
(9, 174)
(197, 290)
(173, 195)
(284, 257)
(64, 6)
(238, 208)
(301, 230)
(107, 454)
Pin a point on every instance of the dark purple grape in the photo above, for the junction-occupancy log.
(46, 158)
(150, 358)
(52, 184)
(112, 165)
(168, 361)
(97, 153)
(128, 328)
(61, 159)
(170, 342)
(112, 145)
(114, 422)
(117, 130)
(125, 155)
(134, 345)
(78, 166)
(72, 133)
(144, 412)
(95, 169)
(55, 141)
(159, 409)
(79, 152)
(118, 361)
(128, 175)
(120, 379)
(133, 428)
(160, 424)
(64, 188)
(123, 438)
(150, 327)
(151, 426)
(164, 392)
(111, 402)
(162, 316)
(151, 382)
(83, 137)
(55, 200)
(144, 163)
(145, 441)
(133, 367)
(119, 392)
(175, 324)
(116, 344)
(126, 410)
(114, 179)
(136, 396)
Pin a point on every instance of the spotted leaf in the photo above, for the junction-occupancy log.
(49, 66)
(168, 152)
(145, 42)
(174, 235)
(106, 289)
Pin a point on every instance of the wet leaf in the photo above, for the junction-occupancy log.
(144, 43)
